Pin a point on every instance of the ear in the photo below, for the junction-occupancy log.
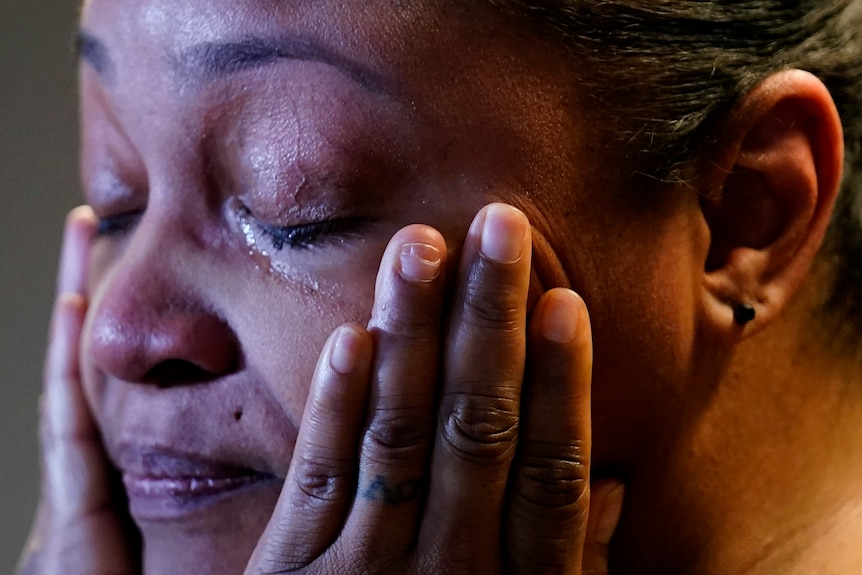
(770, 180)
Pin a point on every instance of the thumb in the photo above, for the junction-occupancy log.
(606, 505)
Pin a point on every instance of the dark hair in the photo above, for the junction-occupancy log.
(666, 69)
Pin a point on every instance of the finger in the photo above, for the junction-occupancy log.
(29, 561)
(321, 481)
(87, 531)
(71, 276)
(549, 494)
(62, 386)
(480, 405)
(80, 227)
(406, 325)
(605, 509)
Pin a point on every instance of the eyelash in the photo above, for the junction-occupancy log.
(303, 236)
(117, 225)
(308, 236)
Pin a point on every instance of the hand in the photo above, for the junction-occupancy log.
(80, 528)
(473, 457)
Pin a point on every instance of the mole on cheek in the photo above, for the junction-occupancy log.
(237, 415)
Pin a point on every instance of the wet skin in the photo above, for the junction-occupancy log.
(249, 162)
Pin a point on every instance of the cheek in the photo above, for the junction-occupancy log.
(278, 323)
(284, 323)
(643, 336)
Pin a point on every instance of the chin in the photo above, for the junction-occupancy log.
(214, 534)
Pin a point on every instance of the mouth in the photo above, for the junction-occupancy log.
(162, 485)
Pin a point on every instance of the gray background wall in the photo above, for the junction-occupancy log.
(38, 184)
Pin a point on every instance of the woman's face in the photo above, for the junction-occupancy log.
(250, 159)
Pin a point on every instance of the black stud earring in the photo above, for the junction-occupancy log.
(744, 314)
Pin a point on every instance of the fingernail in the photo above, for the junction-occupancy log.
(420, 262)
(344, 356)
(504, 234)
(560, 316)
(612, 508)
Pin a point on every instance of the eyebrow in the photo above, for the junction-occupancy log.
(213, 60)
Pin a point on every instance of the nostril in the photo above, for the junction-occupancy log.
(155, 321)
(139, 338)
(173, 372)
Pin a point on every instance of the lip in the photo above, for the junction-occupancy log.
(163, 485)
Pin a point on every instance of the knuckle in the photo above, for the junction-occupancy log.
(321, 480)
(497, 309)
(374, 562)
(538, 561)
(346, 560)
(280, 561)
(560, 480)
(409, 323)
(396, 434)
(451, 558)
(478, 429)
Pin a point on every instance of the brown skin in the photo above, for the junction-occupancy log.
(767, 456)
(450, 117)
(324, 522)
(195, 344)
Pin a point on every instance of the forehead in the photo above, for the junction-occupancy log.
(428, 53)
(376, 32)
(421, 49)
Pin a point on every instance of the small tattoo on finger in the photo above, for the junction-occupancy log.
(381, 489)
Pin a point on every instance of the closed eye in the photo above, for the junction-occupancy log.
(118, 224)
(307, 236)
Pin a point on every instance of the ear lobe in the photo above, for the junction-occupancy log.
(781, 155)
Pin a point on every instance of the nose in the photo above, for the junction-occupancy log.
(152, 322)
